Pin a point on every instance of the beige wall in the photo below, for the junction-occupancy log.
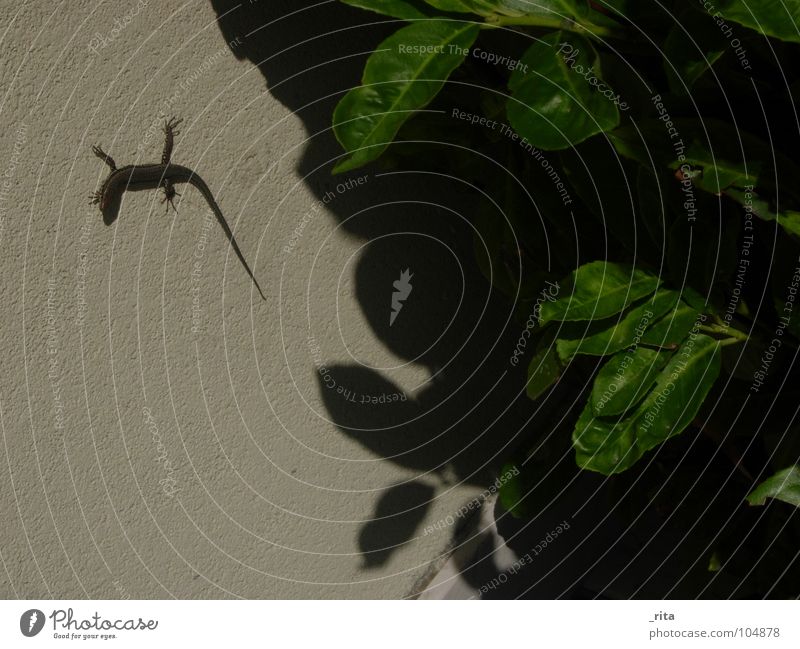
(142, 458)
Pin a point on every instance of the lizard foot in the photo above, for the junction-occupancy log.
(171, 124)
(170, 200)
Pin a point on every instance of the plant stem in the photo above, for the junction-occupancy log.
(725, 342)
(587, 29)
(736, 336)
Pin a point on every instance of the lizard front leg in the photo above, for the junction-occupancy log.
(169, 138)
(170, 131)
(104, 157)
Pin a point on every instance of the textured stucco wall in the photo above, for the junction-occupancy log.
(165, 432)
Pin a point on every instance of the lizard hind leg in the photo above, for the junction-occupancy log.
(169, 195)
(170, 131)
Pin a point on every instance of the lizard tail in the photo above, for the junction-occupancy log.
(203, 188)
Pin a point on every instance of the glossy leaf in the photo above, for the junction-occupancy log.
(558, 9)
(611, 445)
(535, 479)
(512, 491)
(788, 220)
(552, 105)
(456, 6)
(778, 18)
(713, 173)
(602, 337)
(680, 390)
(405, 9)
(673, 327)
(625, 380)
(692, 46)
(544, 368)
(784, 485)
(402, 76)
(621, 7)
(598, 290)
(726, 155)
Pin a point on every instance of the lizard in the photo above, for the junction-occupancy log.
(152, 176)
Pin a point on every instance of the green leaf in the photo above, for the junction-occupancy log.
(622, 7)
(544, 368)
(692, 46)
(788, 220)
(680, 390)
(598, 290)
(612, 445)
(402, 76)
(532, 481)
(714, 174)
(723, 153)
(559, 9)
(778, 18)
(512, 491)
(696, 301)
(625, 380)
(552, 105)
(601, 338)
(784, 485)
(672, 328)
(456, 6)
(405, 9)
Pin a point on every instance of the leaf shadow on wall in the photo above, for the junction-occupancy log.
(460, 424)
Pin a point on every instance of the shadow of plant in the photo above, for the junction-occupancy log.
(458, 424)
